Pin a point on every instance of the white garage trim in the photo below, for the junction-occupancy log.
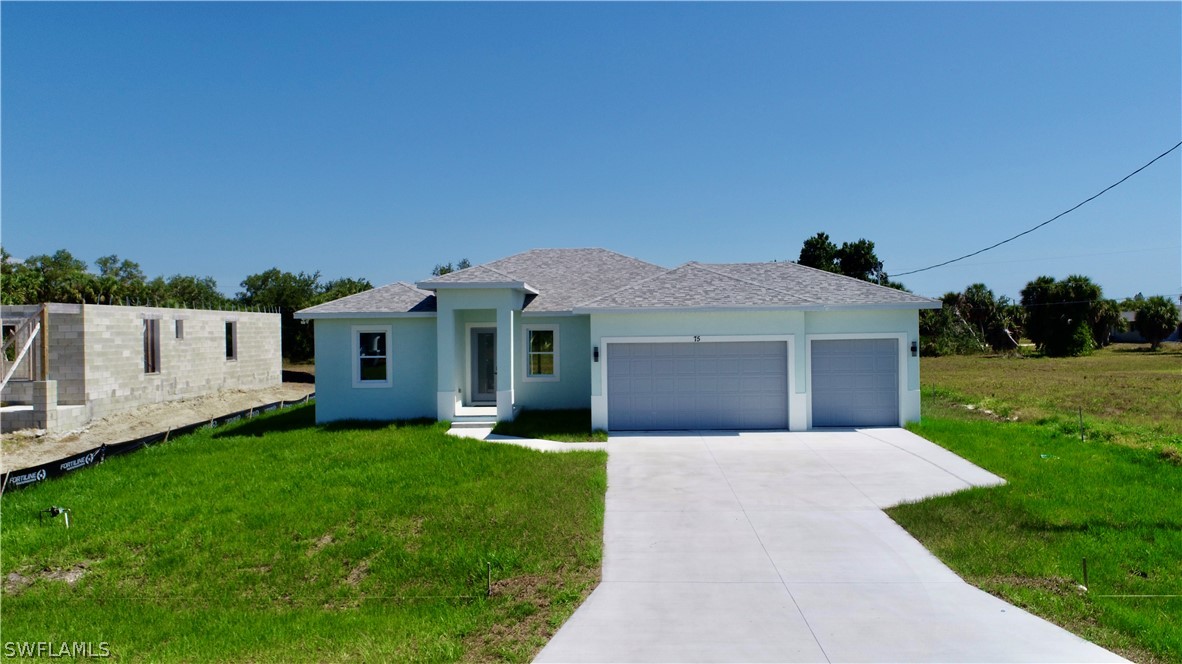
(901, 337)
(599, 415)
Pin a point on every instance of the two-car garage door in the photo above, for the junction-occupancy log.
(744, 385)
(722, 385)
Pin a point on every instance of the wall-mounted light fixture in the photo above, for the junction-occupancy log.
(595, 354)
(914, 349)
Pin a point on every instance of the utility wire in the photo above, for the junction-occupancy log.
(1031, 230)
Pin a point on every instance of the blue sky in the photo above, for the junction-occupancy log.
(375, 140)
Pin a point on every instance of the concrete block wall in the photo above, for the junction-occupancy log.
(192, 366)
(67, 353)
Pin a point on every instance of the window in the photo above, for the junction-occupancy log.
(231, 340)
(151, 346)
(371, 356)
(541, 352)
(180, 329)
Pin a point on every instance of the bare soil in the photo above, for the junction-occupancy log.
(22, 449)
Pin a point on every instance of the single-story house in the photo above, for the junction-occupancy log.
(700, 346)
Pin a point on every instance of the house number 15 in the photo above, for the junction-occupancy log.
(697, 338)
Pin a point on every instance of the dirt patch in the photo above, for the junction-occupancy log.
(1055, 584)
(527, 614)
(319, 545)
(358, 573)
(16, 582)
(23, 449)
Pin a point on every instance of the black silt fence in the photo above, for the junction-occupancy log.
(25, 477)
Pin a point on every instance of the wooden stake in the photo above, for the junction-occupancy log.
(44, 342)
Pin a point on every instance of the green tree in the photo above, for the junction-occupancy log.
(1105, 319)
(288, 293)
(858, 260)
(1156, 319)
(852, 259)
(116, 280)
(19, 284)
(1060, 314)
(338, 288)
(944, 331)
(448, 268)
(819, 252)
(63, 278)
(195, 292)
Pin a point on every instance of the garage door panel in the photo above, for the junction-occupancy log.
(855, 382)
(732, 385)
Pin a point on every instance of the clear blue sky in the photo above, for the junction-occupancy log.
(375, 140)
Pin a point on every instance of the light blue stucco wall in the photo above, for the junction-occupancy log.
(413, 366)
(573, 387)
(890, 320)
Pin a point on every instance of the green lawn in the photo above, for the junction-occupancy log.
(564, 426)
(1123, 384)
(1115, 499)
(277, 540)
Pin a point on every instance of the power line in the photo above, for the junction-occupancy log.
(1031, 230)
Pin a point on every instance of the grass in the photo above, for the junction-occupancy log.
(1123, 383)
(277, 540)
(564, 426)
(1114, 499)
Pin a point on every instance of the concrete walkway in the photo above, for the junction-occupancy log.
(772, 547)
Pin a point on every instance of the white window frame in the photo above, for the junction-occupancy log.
(527, 377)
(355, 358)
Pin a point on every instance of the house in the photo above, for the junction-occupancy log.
(104, 359)
(1130, 335)
(700, 346)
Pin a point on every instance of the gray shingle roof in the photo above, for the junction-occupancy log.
(585, 280)
(692, 286)
(818, 286)
(398, 297)
(562, 277)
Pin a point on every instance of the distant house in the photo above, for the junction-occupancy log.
(700, 346)
(107, 359)
(1132, 336)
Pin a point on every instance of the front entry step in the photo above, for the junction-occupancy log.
(474, 422)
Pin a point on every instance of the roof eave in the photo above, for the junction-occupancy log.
(887, 306)
(315, 315)
(454, 285)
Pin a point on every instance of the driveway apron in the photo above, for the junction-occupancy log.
(773, 547)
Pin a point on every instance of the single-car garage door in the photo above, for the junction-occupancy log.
(855, 382)
(705, 385)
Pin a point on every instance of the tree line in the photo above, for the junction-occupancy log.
(1061, 317)
(1064, 317)
(61, 277)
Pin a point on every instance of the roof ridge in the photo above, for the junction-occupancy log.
(410, 286)
(482, 266)
(753, 283)
(630, 286)
(845, 276)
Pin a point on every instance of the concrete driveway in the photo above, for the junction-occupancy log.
(772, 547)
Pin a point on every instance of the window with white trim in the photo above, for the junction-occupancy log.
(372, 366)
(541, 352)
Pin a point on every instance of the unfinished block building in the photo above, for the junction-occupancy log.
(102, 359)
